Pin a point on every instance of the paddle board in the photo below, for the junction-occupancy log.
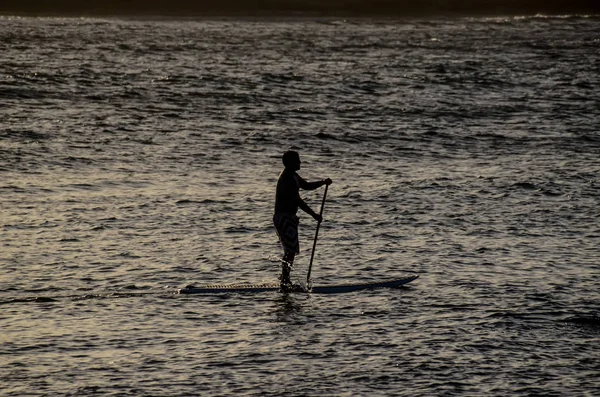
(323, 289)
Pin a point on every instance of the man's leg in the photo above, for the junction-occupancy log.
(286, 268)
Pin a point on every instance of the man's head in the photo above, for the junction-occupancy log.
(291, 159)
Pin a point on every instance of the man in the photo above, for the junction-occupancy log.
(287, 202)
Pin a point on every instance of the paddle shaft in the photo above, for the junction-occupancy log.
(312, 255)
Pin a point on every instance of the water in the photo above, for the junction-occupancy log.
(139, 156)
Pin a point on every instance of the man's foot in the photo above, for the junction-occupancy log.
(291, 287)
(286, 284)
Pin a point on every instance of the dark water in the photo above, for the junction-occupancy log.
(137, 157)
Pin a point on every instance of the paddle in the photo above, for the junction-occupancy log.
(312, 255)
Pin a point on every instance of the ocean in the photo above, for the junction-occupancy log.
(138, 156)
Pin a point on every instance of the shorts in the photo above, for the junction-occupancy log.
(287, 230)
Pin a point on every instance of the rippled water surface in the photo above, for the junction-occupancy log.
(137, 157)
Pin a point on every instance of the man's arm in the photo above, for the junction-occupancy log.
(311, 185)
(304, 207)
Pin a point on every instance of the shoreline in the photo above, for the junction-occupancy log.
(298, 8)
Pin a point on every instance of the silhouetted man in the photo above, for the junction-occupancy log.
(287, 202)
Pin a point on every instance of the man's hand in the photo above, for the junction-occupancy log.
(318, 218)
(328, 181)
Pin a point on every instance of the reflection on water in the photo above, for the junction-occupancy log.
(289, 309)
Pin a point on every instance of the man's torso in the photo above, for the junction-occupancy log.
(286, 198)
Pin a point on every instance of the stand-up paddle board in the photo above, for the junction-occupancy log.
(324, 289)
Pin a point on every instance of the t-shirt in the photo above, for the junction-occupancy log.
(287, 198)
